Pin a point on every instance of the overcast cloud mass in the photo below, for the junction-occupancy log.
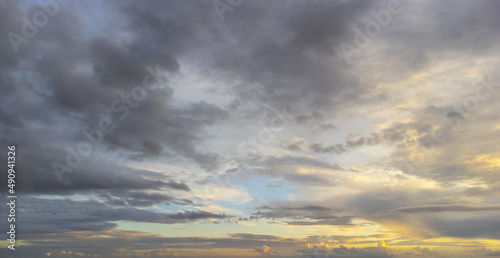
(251, 128)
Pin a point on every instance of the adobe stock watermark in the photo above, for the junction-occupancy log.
(482, 91)
(39, 19)
(223, 6)
(154, 79)
(362, 38)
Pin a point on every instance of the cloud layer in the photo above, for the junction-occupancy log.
(252, 128)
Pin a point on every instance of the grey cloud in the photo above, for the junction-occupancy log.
(320, 148)
(84, 74)
(343, 251)
(118, 66)
(328, 126)
(291, 69)
(302, 216)
(297, 144)
(39, 177)
(334, 221)
(136, 198)
(298, 160)
(152, 147)
(122, 243)
(294, 147)
(285, 167)
(10, 119)
(344, 239)
(64, 80)
(485, 226)
(448, 208)
(392, 135)
(457, 33)
(58, 216)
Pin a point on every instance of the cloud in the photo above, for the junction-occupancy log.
(485, 226)
(120, 243)
(448, 208)
(303, 216)
(266, 62)
(328, 126)
(63, 215)
(319, 148)
(262, 250)
(322, 249)
(298, 144)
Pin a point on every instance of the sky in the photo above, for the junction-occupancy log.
(251, 128)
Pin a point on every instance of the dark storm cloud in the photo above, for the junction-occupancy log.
(119, 66)
(67, 80)
(10, 14)
(38, 177)
(87, 75)
(152, 147)
(56, 216)
(293, 64)
(10, 119)
(83, 74)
